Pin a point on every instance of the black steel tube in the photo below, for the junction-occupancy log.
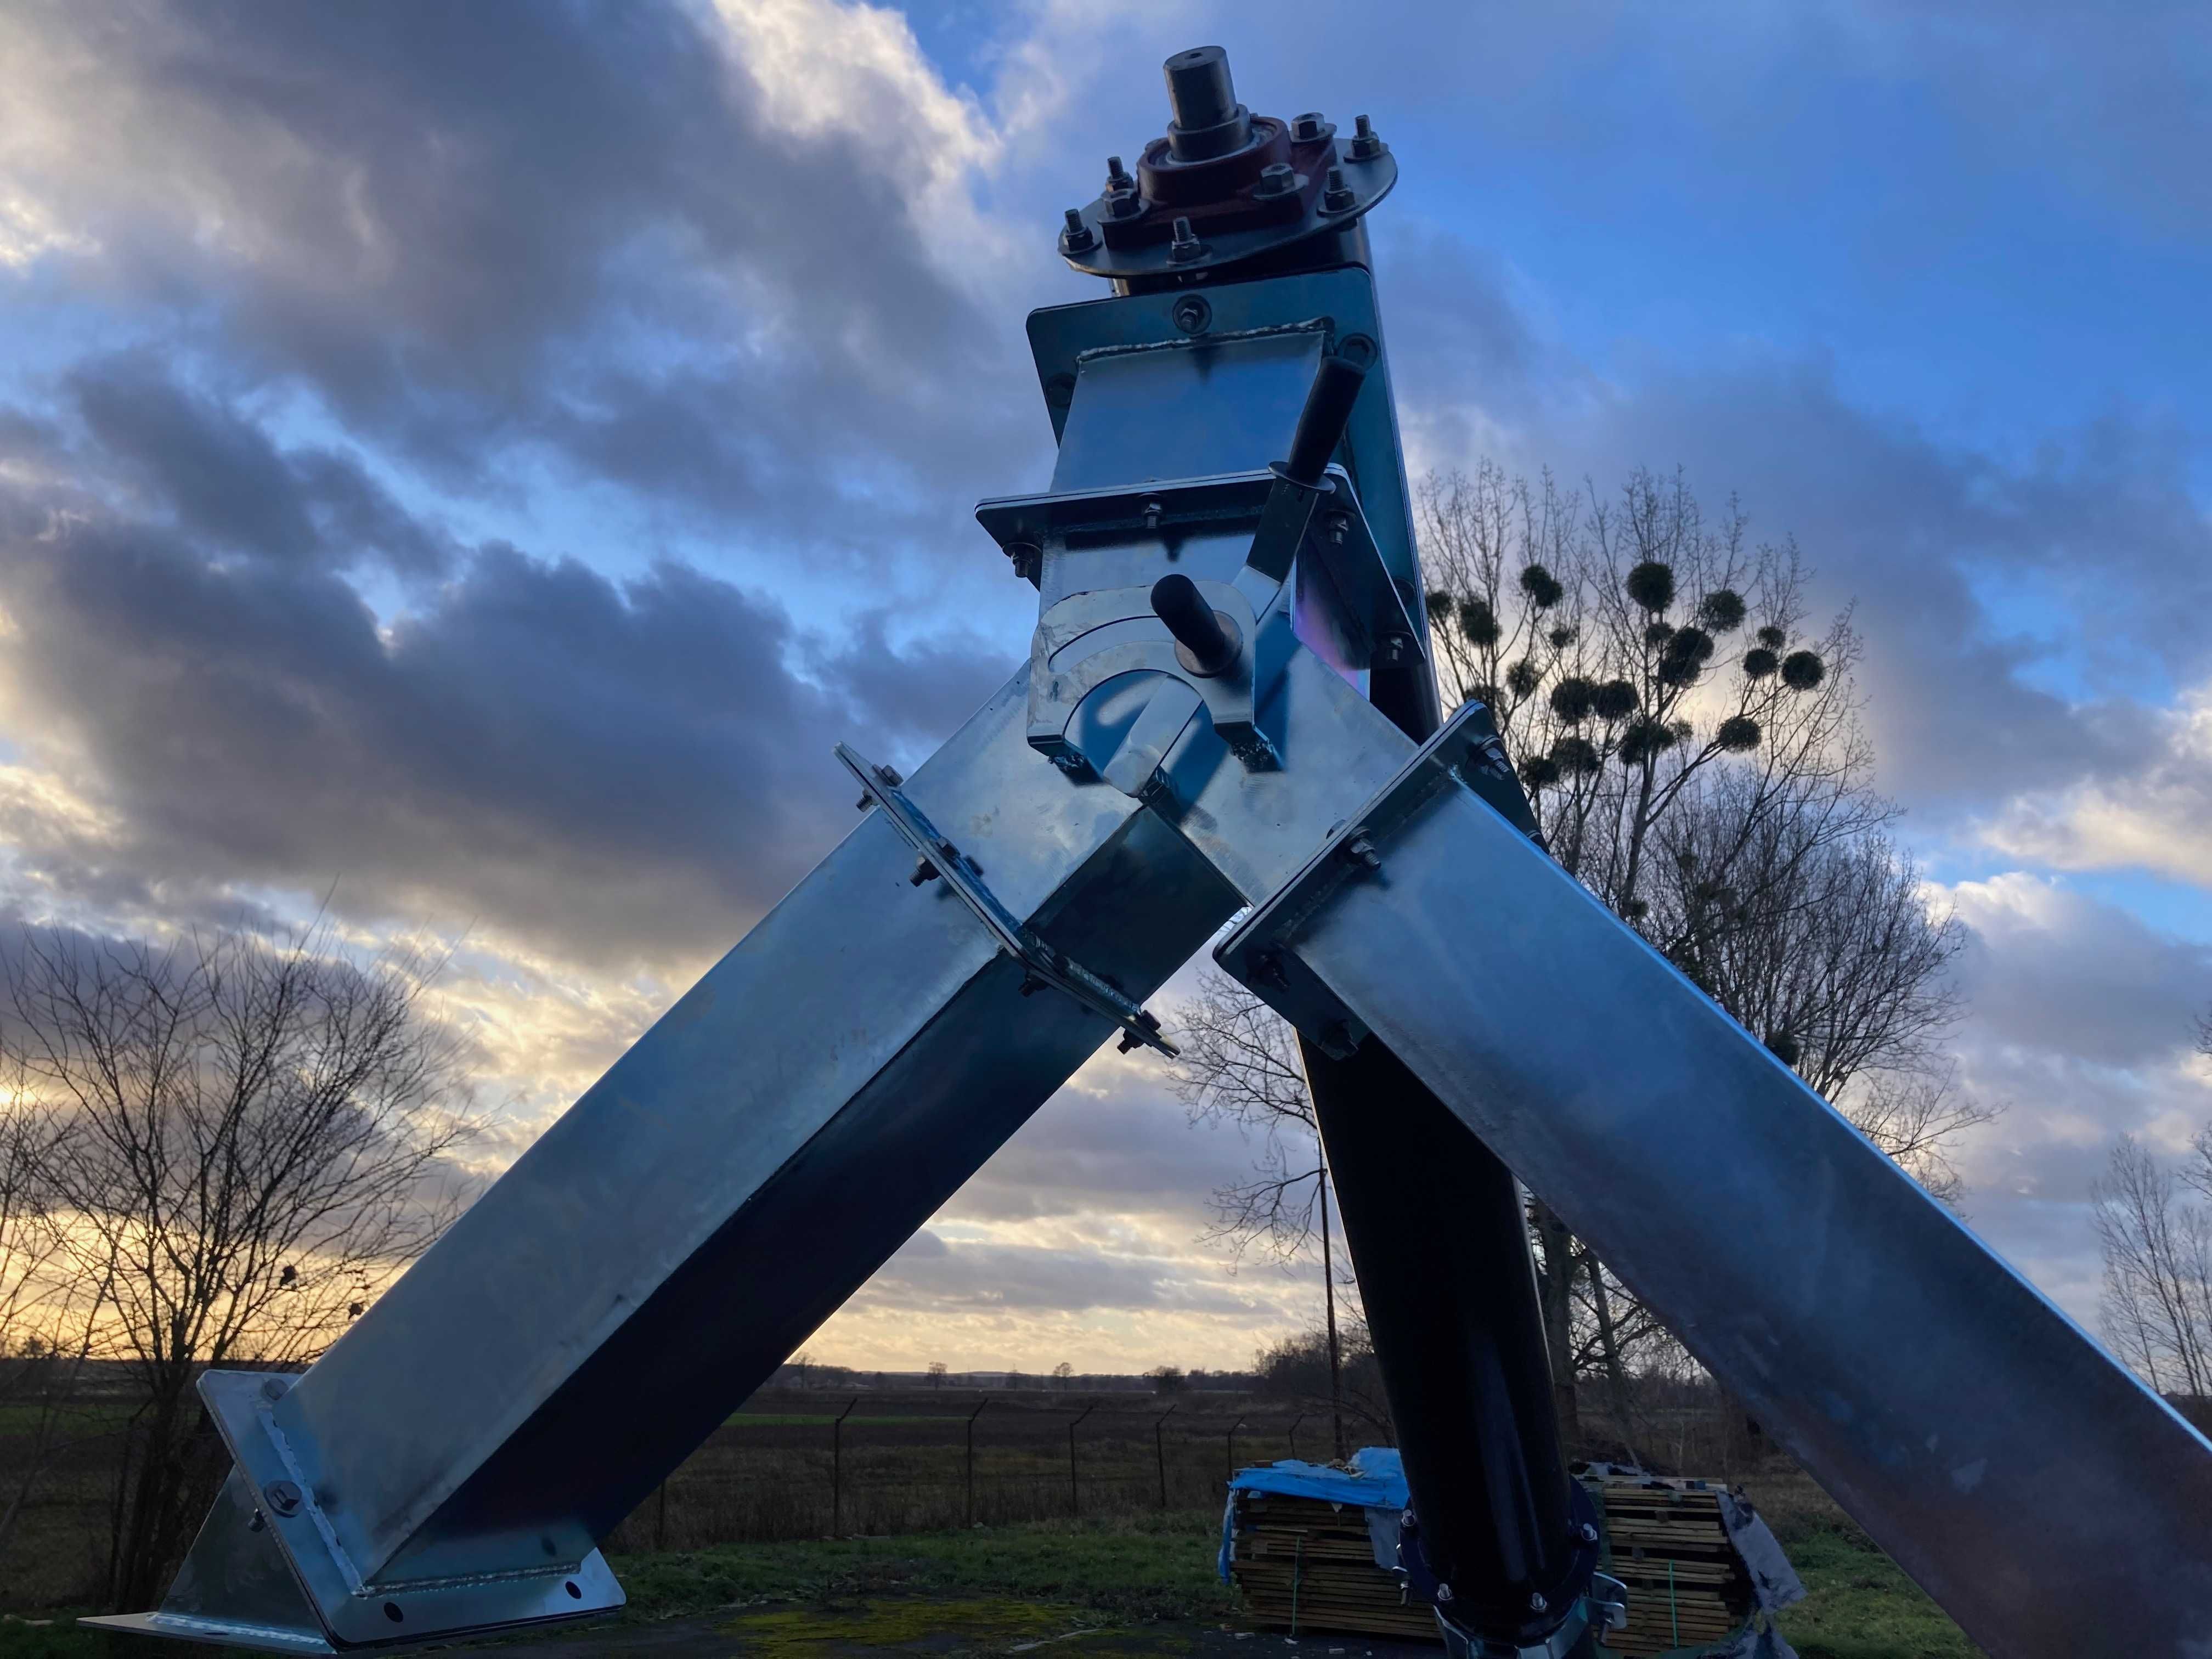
(1328, 409)
(1177, 602)
(1440, 1247)
(1434, 1224)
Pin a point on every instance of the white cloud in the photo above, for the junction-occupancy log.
(2157, 817)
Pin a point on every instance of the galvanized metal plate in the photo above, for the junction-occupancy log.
(228, 1592)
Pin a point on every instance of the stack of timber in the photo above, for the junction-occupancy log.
(1304, 1563)
(1666, 1541)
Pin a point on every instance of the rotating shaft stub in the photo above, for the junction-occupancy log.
(1206, 119)
(1206, 639)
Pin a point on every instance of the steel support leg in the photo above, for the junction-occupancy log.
(450, 1465)
(2052, 1503)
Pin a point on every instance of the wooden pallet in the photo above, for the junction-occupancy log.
(1665, 1540)
(1306, 1565)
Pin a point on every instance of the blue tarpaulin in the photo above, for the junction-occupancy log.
(1376, 1482)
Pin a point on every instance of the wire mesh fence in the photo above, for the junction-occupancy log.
(879, 1465)
(794, 1463)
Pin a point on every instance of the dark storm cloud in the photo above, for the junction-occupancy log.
(2014, 616)
(222, 482)
(607, 769)
(2050, 970)
(1970, 701)
(567, 226)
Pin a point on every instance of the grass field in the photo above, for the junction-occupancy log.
(992, 1590)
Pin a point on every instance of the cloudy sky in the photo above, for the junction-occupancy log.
(483, 456)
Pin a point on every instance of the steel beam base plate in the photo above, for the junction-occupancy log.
(263, 1574)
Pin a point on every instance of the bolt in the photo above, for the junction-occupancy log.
(1129, 1040)
(1336, 526)
(284, 1498)
(1077, 237)
(1151, 516)
(1362, 851)
(257, 1523)
(1117, 177)
(1125, 204)
(1185, 246)
(1408, 1520)
(891, 776)
(272, 1390)
(1589, 1533)
(923, 870)
(1032, 985)
(1536, 1602)
(1192, 314)
(1277, 179)
(1308, 127)
(1338, 196)
(1365, 144)
(1443, 1593)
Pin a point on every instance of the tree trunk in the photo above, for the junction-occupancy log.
(1555, 1290)
(1335, 1354)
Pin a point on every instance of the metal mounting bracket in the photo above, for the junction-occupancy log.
(1465, 753)
(266, 1571)
(1239, 536)
(1043, 965)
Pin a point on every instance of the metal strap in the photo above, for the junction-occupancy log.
(1043, 963)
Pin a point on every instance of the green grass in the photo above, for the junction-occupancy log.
(1119, 1570)
(1126, 1567)
(1859, 1605)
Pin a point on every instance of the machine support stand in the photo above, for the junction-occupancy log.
(1229, 704)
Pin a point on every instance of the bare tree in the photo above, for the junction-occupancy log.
(2157, 1300)
(49, 1305)
(1063, 1373)
(1302, 1368)
(1240, 1064)
(1716, 799)
(260, 1132)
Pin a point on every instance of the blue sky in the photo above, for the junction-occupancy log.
(484, 457)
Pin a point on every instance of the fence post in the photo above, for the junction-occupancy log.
(1160, 1451)
(1295, 1421)
(837, 1467)
(1233, 1427)
(972, 1416)
(1074, 1493)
